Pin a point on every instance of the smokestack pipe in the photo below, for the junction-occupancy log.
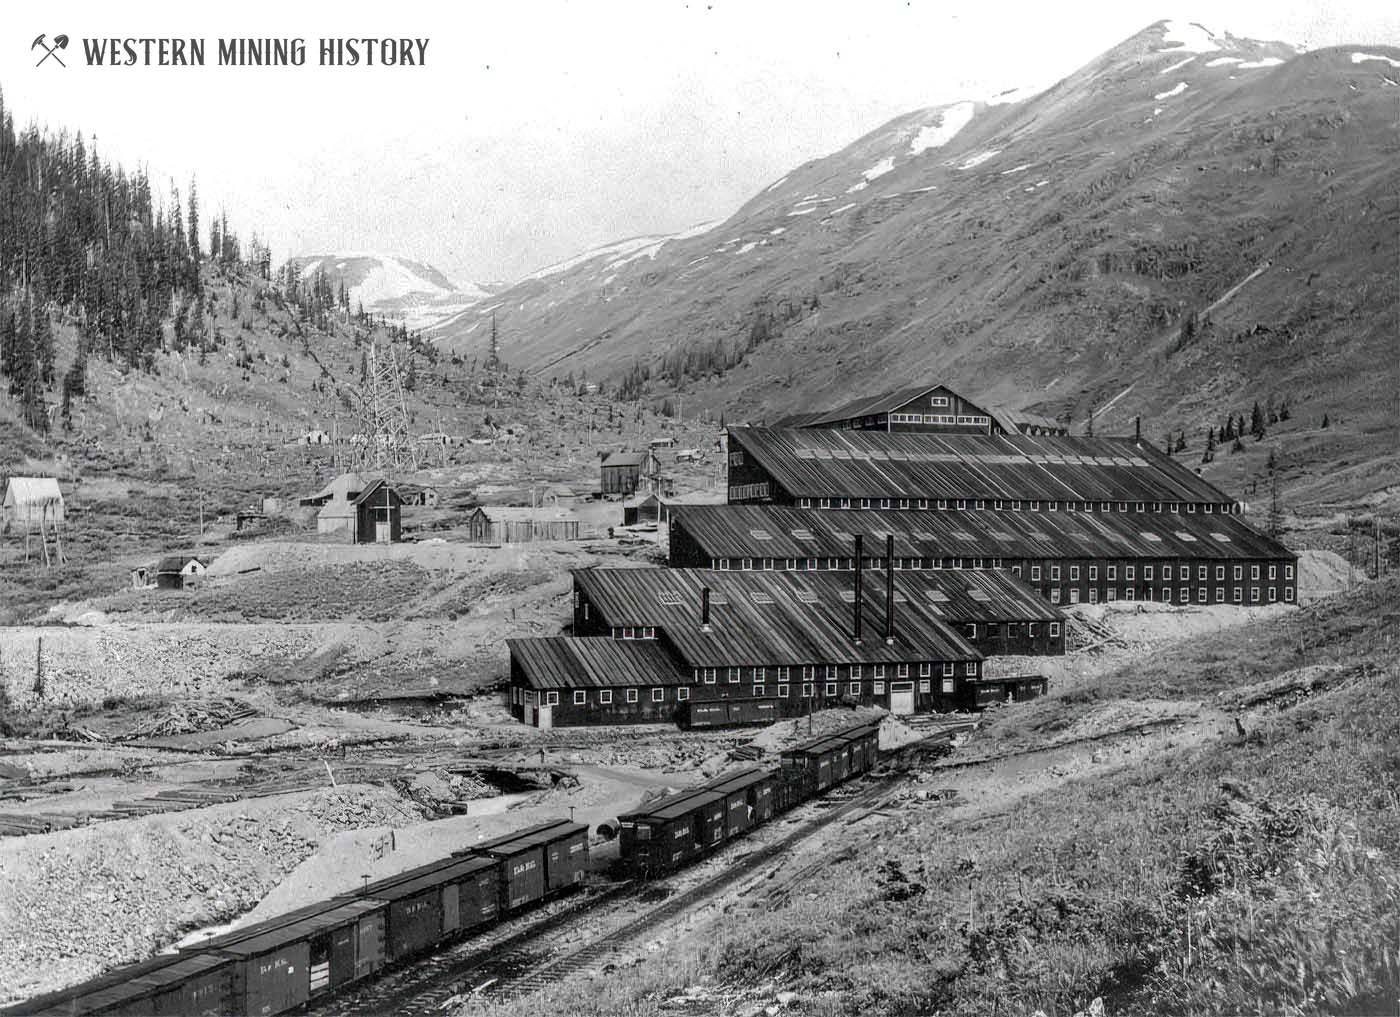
(860, 570)
(1137, 429)
(704, 609)
(889, 588)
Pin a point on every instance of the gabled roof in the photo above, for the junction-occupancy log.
(877, 464)
(763, 618)
(564, 662)
(20, 491)
(372, 489)
(779, 531)
(526, 513)
(866, 406)
(176, 562)
(343, 488)
(626, 458)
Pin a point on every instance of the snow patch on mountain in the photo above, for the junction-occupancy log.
(1221, 61)
(1180, 87)
(882, 167)
(952, 119)
(979, 158)
(1189, 37)
(621, 247)
(1180, 64)
(1357, 58)
(1265, 62)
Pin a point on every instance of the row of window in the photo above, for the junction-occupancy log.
(833, 672)
(631, 631)
(747, 492)
(1183, 571)
(830, 690)
(1183, 595)
(1008, 630)
(1006, 505)
(938, 418)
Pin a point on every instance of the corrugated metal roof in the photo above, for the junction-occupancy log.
(773, 618)
(675, 806)
(274, 937)
(727, 531)
(876, 464)
(32, 491)
(525, 513)
(533, 836)
(871, 405)
(564, 662)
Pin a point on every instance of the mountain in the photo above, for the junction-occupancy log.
(411, 291)
(1187, 224)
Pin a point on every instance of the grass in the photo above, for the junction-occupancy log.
(1252, 875)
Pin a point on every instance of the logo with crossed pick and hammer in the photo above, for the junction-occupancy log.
(60, 42)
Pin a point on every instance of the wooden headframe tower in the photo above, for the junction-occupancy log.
(388, 445)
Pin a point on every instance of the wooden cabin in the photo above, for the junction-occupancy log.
(521, 524)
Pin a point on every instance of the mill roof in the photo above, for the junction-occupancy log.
(625, 459)
(777, 531)
(878, 464)
(570, 662)
(763, 618)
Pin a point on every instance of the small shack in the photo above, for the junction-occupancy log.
(419, 495)
(177, 571)
(363, 511)
(624, 472)
(521, 524)
(649, 509)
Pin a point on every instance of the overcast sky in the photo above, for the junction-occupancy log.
(538, 130)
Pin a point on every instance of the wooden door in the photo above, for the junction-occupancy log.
(902, 698)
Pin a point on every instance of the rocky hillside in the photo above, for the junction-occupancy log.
(1187, 224)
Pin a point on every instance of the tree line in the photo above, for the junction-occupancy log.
(85, 243)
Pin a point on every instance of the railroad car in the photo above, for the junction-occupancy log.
(285, 962)
(748, 795)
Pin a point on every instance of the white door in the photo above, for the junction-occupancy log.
(544, 718)
(382, 533)
(902, 697)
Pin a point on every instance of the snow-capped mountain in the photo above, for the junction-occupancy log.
(412, 291)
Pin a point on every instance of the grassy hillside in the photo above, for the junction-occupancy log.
(1228, 874)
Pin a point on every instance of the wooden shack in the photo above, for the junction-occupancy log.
(521, 524)
(624, 472)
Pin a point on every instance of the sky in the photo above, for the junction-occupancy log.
(537, 130)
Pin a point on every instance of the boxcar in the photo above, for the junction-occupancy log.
(864, 742)
(526, 858)
(729, 712)
(748, 797)
(200, 985)
(92, 996)
(273, 969)
(813, 764)
(674, 831)
(413, 907)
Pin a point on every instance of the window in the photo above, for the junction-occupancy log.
(1288, 572)
(830, 689)
(1184, 594)
(1220, 594)
(1273, 594)
(1201, 572)
(1054, 630)
(831, 673)
(658, 695)
(1130, 594)
(682, 694)
(855, 670)
(1147, 573)
(808, 690)
(1094, 595)
(948, 686)
(1074, 573)
(1111, 572)
(1254, 594)
(733, 676)
(1287, 594)
(631, 695)
(758, 691)
(1239, 573)
(1166, 595)
(925, 670)
(1032, 629)
(1254, 572)
(1129, 573)
(605, 696)
(971, 668)
(1238, 595)
(580, 697)
(1035, 573)
(854, 688)
(1055, 573)
(1094, 572)
(782, 691)
(879, 670)
(707, 675)
(879, 688)
(1111, 593)
(1273, 571)
(808, 672)
(1074, 596)
(1055, 595)
(901, 670)
(783, 674)
(1015, 570)
(926, 686)
(551, 699)
(1166, 571)
(947, 667)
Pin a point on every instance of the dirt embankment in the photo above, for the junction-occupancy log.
(77, 902)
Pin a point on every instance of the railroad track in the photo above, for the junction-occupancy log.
(519, 960)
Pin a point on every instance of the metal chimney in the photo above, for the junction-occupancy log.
(889, 588)
(704, 609)
(860, 571)
(1137, 429)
